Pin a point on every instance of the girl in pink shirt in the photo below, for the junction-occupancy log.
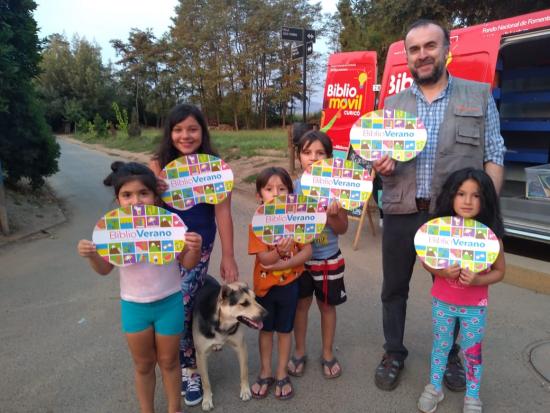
(151, 301)
(459, 295)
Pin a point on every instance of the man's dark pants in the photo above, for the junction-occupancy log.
(398, 258)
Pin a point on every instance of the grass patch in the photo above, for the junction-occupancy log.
(229, 144)
(247, 143)
(147, 142)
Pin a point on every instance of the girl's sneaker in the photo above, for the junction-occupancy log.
(429, 399)
(184, 380)
(472, 405)
(193, 394)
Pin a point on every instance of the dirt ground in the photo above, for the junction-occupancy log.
(31, 213)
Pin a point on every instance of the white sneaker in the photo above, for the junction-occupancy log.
(472, 405)
(429, 399)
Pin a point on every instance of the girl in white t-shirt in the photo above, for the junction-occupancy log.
(151, 301)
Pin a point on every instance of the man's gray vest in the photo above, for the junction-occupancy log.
(460, 144)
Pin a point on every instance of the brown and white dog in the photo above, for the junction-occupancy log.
(217, 317)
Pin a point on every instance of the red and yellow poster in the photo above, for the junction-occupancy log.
(348, 95)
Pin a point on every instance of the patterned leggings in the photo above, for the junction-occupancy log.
(191, 281)
(472, 329)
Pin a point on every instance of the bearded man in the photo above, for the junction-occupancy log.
(463, 130)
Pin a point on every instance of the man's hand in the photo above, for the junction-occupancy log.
(384, 166)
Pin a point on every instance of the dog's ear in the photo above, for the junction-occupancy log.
(224, 293)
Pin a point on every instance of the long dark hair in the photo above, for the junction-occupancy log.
(489, 211)
(123, 172)
(166, 151)
(311, 136)
(265, 175)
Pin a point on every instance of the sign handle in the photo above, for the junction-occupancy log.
(366, 210)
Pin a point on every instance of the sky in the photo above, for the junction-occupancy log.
(100, 21)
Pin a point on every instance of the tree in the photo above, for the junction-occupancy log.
(90, 81)
(27, 147)
(145, 72)
(486, 10)
(230, 59)
(375, 24)
(73, 81)
(53, 83)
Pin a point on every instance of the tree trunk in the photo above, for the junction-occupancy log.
(137, 97)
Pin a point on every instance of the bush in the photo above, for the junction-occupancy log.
(100, 127)
(90, 129)
(81, 127)
(111, 128)
(121, 118)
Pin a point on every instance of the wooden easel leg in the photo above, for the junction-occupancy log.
(369, 211)
(360, 225)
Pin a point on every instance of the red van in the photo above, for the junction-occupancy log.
(513, 55)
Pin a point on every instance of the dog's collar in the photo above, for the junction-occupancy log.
(229, 331)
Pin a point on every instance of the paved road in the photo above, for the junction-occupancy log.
(62, 351)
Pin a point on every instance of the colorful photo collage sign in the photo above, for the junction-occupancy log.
(446, 241)
(396, 133)
(294, 216)
(195, 179)
(338, 179)
(139, 234)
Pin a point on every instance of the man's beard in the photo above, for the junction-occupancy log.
(433, 78)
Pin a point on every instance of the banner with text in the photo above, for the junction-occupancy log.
(140, 233)
(396, 133)
(294, 216)
(348, 94)
(337, 179)
(195, 179)
(443, 242)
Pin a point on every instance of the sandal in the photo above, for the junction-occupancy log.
(280, 384)
(330, 364)
(298, 362)
(266, 381)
